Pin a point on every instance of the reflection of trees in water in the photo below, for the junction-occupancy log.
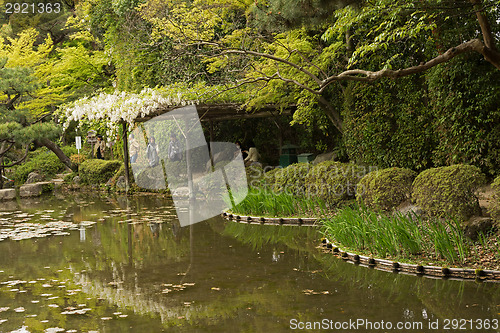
(300, 238)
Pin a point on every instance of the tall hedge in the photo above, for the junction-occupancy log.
(449, 191)
(449, 115)
(385, 189)
(96, 171)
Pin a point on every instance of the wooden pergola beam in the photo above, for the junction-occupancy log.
(226, 111)
(210, 113)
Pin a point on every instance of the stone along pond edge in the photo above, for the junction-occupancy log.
(370, 262)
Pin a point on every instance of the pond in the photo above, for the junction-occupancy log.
(124, 264)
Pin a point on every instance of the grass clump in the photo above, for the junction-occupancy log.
(397, 236)
(385, 189)
(264, 202)
(449, 191)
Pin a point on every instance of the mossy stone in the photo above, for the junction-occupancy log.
(449, 191)
(385, 189)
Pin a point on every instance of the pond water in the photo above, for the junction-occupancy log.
(118, 264)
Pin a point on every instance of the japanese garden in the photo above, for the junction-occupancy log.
(249, 165)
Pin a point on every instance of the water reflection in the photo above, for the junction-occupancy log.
(140, 271)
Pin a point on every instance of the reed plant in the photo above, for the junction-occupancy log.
(397, 235)
(265, 202)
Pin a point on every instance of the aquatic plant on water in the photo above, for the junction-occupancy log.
(397, 235)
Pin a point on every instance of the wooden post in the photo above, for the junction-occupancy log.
(125, 155)
(211, 129)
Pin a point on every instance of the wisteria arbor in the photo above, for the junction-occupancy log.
(130, 109)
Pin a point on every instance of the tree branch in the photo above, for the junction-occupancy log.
(489, 39)
(21, 160)
(474, 45)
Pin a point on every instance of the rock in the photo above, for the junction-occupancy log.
(76, 179)
(34, 177)
(331, 156)
(120, 183)
(7, 194)
(46, 186)
(476, 225)
(110, 182)
(30, 190)
(406, 208)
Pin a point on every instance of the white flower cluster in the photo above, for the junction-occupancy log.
(121, 106)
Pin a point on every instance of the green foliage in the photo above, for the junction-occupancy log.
(42, 161)
(96, 171)
(449, 191)
(464, 96)
(388, 124)
(292, 179)
(396, 235)
(265, 202)
(385, 189)
(333, 182)
(77, 159)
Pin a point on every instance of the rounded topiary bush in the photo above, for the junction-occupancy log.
(385, 189)
(292, 178)
(449, 191)
(334, 182)
(96, 171)
(269, 179)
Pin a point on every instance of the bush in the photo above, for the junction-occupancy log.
(291, 179)
(385, 189)
(449, 191)
(43, 161)
(333, 182)
(77, 159)
(495, 209)
(96, 171)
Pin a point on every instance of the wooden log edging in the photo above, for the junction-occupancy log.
(296, 221)
(375, 263)
(413, 269)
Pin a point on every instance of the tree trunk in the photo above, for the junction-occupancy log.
(332, 114)
(59, 153)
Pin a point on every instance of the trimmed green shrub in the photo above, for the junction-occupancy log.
(449, 191)
(332, 181)
(495, 209)
(385, 189)
(43, 161)
(269, 178)
(292, 178)
(96, 171)
(255, 175)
